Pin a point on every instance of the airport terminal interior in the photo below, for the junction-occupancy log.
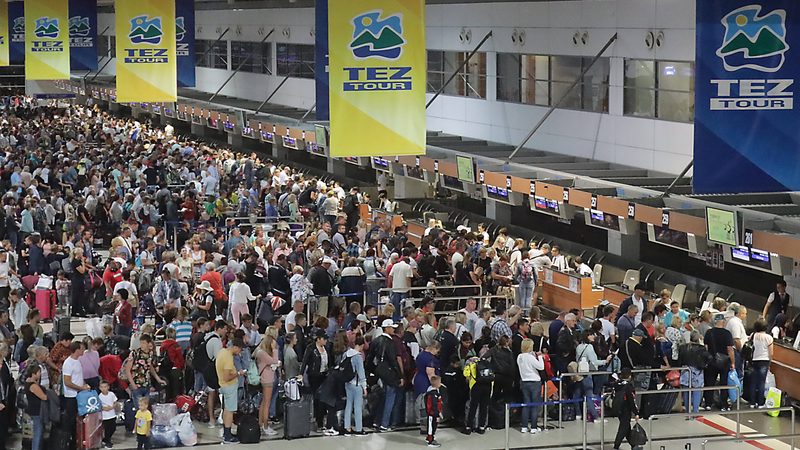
(562, 159)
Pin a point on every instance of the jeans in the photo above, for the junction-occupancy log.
(354, 406)
(38, 432)
(759, 381)
(391, 397)
(585, 389)
(199, 382)
(525, 294)
(531, 393)
(399, 414)
(274, 401)
(696, 397)
(397, 299)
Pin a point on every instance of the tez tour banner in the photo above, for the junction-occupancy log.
(83, 34)
(4, 37)
(377, 77)
(46, 40)
(16, 26)
(146, 56)
(184, 38)
(748, 62)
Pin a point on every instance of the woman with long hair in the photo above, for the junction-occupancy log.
(267, 362)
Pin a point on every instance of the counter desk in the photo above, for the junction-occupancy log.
(786, 367)
(563, 291)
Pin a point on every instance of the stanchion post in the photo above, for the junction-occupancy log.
(560, 393)
(689, 406)
(584, 421)
(739, 408)
(508, 421)
(602, 422)
(544, 427)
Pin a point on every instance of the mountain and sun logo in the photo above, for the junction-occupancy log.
(754, 41)
(146, 30)
(376, 37)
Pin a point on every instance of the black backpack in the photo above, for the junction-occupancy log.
(344, 371)
(618, 401)
(203, 363)
(483, 371)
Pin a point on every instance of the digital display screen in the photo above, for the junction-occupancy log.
(466, 169)
(752, 257)
(452, 183)
(321, 135)
(229, 126)
(169, 112)
(352, 159)
(181, 115)
(196, 119)
(415, 172)
(132, 104)
(672, 237)
(113, 98)
(156, 109)
(601, 219)
(497, 193)
(380, 163)
(540, 202)
(247, 132)
(290, 142)
(268, 136)
(315, 149)
(552, 205)
(721, 226)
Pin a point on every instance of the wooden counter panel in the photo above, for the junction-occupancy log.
(580, 198)
(787, 379)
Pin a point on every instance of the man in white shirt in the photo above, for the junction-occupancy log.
(400, 281)
(608, 329)
(736, 326)
(540, 258)
(457, 257)
(291, 322)
(72, 374)
(472, 315)
(559, 261)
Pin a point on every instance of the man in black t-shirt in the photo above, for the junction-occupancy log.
(719, 342)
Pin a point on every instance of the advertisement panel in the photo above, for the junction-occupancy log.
(83, 34)
(47, 40)
(184, 42)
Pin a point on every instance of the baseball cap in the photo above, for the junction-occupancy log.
(388, 323)
(327, 261)
(638, 332)
(719, 316)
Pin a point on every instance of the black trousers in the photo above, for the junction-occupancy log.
(433, 424)
(70, 418)
(503, 386)
(109, 426)
(624, 428)
(715, 377)
(479, 400)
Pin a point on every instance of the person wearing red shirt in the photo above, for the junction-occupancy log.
(123, 314)
(214, 278)
(172, 349)
(110, 366)
(111, 276)
(188, 209)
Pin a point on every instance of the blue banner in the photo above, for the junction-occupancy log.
(746, 132)
(16, 27)
(184, 38)
(83, 35)
(321, 74)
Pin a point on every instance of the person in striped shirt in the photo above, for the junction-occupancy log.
(183, 329)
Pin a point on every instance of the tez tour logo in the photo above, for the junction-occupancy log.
(46, 28)
(374, 37)
(79, 26)
(752, 41)
(180, 28)
(145, 30)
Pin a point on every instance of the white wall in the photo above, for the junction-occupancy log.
(549, 27)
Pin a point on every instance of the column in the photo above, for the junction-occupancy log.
(236, 139)
(198, 130)
(405, 187)
(337, 167)
(498, 211)
(626, 246)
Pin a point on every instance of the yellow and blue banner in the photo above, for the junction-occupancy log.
(83, 34)
(46, 40)
(377, 77)
(146, 53)
(748, 64)
(184, 42)
(4, 36)
(16, 25)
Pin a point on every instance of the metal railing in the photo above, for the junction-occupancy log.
(606, 372)
(583, 401)
(750, 439)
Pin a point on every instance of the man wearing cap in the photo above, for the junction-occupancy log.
(383, 358)
(638, 299)
(719, 342)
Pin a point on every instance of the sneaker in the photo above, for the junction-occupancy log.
(269, 431)
(107, 446)
(358, 433)
(211, 424)
(230, 440)
(383, 429)
(467, 431)
(481, 430)
(536, 430)
(330, 432)
(434, 444)
(523, 430)
(274, 420)
(578, 417)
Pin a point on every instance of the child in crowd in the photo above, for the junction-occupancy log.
(144, 418)
(62, 290)
(433, 408)
(183, 329)
(109, 402)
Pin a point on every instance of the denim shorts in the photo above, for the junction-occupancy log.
(230, 397)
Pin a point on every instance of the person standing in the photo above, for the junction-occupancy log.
(529, 364)
(719, 342)
(762, 355)
(72, 382)
(229, 386)
(433, 410)
(108, 400)
(778, 302)
(35, 396)
(355, 389)
(628, 407)
(384, 357)
(144, 418)
(400, 281)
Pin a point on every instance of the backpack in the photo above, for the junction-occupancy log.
(203, 363)
(548, 366)
(344, 371)
(747, 350)
(483, 371)
(126, 210)
(349, 205)
(165, 365)
(526, 271)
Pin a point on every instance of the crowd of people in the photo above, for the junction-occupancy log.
(229, 275)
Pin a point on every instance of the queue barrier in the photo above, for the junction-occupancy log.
(582, 400)
(748, 439)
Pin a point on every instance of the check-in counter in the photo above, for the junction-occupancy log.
(786, 367)
(564, 291)
(616, 294)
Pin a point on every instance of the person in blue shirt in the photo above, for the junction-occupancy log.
(272, 209)
(675, 310)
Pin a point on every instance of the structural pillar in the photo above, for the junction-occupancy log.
(198, 130)
(337, 167)
(626, 246)
(498, 211)
(405, 188)
(236, 140)
(280, 153)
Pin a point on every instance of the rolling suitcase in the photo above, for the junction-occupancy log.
(297, 417)
(497, 416)
(46, 301)
(653, 404)
(61, 325)
(89, 434)
(248, 431)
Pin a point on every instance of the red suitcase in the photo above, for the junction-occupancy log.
(90, 431)
(46, 301)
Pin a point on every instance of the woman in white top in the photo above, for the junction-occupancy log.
(198, 259)
(239, 295)
(516, 255)
(185, 264)
(762, 355)
(530, 364)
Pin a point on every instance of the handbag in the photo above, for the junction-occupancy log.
(637, 436)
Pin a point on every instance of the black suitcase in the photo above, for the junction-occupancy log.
(297, 418)
(653, 404)
(61, 325)
(248, 431)
(497, 416)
